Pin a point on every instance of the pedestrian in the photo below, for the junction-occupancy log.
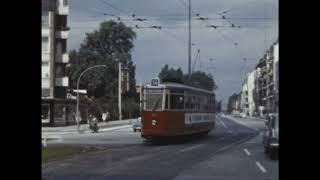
(104, 116)
(94, 124)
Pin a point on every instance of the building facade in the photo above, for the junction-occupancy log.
(266, 81)
(276, 76)
(250, 99)
(54, 59)
(244, 101)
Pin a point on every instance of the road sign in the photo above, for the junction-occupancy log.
(81, 91)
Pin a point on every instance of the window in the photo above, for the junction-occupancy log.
(176, 101)
(167, 102)
(188, 102)
(153, 99)
(65, 2)
(45, 70)
(59, 71)
(45, 19)
(45, 44)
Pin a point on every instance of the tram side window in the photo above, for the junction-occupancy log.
(176, 101)
(167, 102)
(188, 101)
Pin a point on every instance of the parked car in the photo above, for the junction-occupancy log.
(137, 125)
(271, 136)
(243, 115)
(236, 114)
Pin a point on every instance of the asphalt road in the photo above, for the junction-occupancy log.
(230, 151)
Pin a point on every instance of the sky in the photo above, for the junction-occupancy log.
(222, 50)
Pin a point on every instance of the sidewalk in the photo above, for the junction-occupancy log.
(85, 127)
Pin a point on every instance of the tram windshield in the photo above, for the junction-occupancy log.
(154, 99)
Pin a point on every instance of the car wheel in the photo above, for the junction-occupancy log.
(273, 153)
(266, 150)
(134, 130)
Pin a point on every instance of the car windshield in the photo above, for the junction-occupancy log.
(274, 120)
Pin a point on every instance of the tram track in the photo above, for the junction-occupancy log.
(147, 160)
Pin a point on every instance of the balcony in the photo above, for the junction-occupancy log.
(62, 33)
(45, 57)
(62, 82)
(45, 32)
(62, 7)
(45, 83)
(63, 58)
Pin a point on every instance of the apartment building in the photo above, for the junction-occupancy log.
(54, 59)
(266, 81)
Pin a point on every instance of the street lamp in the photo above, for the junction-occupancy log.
(77, 113)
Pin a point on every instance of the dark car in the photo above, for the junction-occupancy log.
(271, 136)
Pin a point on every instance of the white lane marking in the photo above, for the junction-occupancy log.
(86, 131)
(191, 148)
(247, 152)
(261, 167)
(116, 128)
(222, 123)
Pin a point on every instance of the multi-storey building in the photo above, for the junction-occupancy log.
(276, 76)
(244, 102)
(54, 60)
(266, 81)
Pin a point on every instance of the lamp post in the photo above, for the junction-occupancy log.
(77, 113)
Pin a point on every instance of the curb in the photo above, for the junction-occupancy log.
(86, 128)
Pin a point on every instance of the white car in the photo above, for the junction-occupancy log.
(137, 125)
(243, 115)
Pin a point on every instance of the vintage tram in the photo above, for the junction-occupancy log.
(173, 110)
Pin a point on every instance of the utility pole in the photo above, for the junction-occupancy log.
(119, 90)
(141, 89)
(189, 51)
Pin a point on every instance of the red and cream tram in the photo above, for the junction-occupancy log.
(172, 109)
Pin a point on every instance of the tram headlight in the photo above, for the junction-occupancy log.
(154, 122)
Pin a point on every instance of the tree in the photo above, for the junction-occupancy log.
(201, 80)
(110, 44)
(198, 79)
(171, 75)
(231, 101)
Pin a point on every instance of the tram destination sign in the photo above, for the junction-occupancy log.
(154, 91)
(154, 82)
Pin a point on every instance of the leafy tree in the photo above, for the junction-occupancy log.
(198, 79)
(171, 75)
(231, 100)
(201, 79)
(110, 44)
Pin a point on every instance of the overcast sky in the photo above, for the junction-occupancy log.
(258, 21)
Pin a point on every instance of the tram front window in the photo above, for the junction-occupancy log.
(153, 100)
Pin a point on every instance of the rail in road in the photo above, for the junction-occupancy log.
(168, 161)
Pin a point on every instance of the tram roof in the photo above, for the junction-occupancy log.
(180, 86)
